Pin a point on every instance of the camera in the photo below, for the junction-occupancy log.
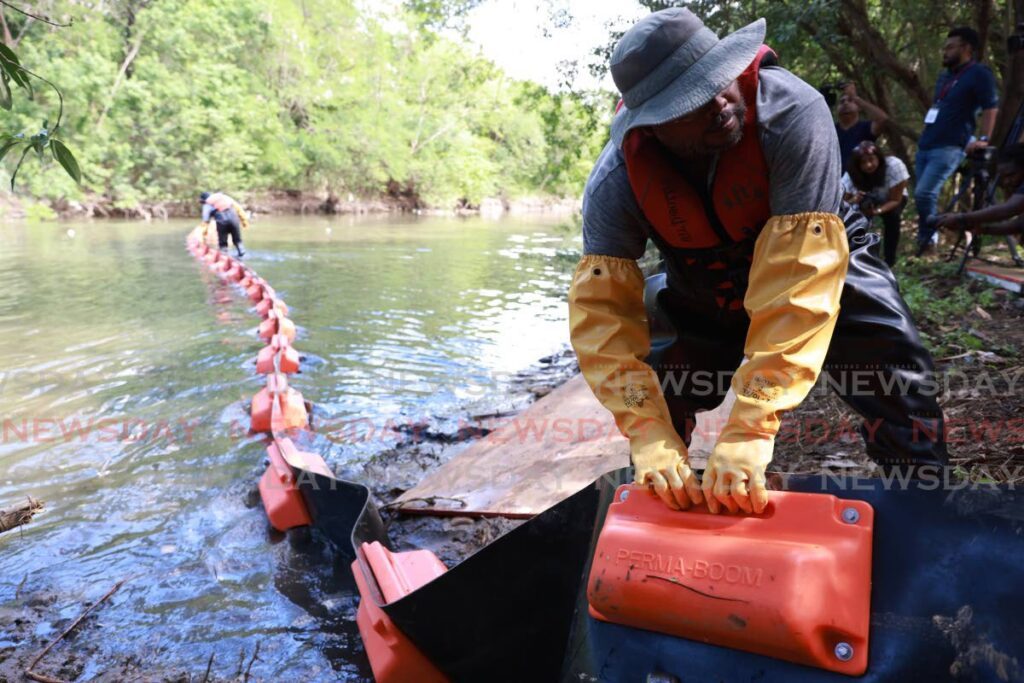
(980, 158)
(871, 201)
(831, 91)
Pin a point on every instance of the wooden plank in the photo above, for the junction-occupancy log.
(558, 445)
(1007, 278)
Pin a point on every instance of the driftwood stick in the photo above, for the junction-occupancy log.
(13, 517)
(46, 679)
(255, 655)
(209, 665)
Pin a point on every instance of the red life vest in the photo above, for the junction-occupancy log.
(220, 201)
(739, 194)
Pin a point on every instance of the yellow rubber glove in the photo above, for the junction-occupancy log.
(608, 328)
(792, 299)
(243, 217)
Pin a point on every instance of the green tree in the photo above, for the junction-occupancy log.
(12, 71)
(325, 96)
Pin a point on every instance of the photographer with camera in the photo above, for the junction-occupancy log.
(877, 184)
(850, 128)
(1000, 219)
(961, 90)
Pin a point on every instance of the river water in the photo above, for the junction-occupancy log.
(125, 373)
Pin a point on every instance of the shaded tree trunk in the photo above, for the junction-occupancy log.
(855, 25)
(131, 45)
(896, 134)
(1013, 96)
(983, 11)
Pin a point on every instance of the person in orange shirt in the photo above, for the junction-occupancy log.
(229, 216)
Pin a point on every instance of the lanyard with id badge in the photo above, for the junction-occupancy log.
(933, 111)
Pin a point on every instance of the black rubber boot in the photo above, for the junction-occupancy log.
(878, 364)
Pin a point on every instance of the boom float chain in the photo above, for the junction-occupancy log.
(280, 410)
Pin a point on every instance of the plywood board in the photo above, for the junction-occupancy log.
(560, 444)
(1001, 276)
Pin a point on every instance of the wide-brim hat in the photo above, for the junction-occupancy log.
(669, 64)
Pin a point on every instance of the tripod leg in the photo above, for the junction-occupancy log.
(952, 252)
(969, 242)
(1015, 251)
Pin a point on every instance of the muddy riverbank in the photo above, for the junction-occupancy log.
(286, 203)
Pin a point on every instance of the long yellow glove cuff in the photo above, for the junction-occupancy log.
(608, 328)
(243, 217)
(796, 279)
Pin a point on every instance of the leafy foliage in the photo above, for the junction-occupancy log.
(12, 71)
(889, 48)
(339, 96)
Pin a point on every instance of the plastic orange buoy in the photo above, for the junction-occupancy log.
(288, 360)
(793, 583)
(235, 274)
(277, 325)
(267, 328)
(286, 328)
(281, 497)
(265, 359)
(265, 305)
(261, 411)
(289, 411)
(278, 407)
(280, 350)
(255, 289)
(393, 657)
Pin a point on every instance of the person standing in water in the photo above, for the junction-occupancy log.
(229, 216)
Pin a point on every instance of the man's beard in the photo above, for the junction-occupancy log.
(700, 148)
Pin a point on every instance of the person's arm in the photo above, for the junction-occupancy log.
(1014, 226)
(207, 212)
(896, 177)
(796, 277)
(988, 100)
(876, 114)
(1011, 207)
(609, 332)
(850, 191)
(988, 123)
(243, 217)
(894, 198)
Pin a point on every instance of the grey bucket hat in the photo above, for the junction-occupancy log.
(669, 64)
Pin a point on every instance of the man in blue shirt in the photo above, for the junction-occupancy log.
(964, 88)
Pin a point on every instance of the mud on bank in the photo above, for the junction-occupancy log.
(284, 203)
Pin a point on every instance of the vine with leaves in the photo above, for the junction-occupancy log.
(13, 72)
